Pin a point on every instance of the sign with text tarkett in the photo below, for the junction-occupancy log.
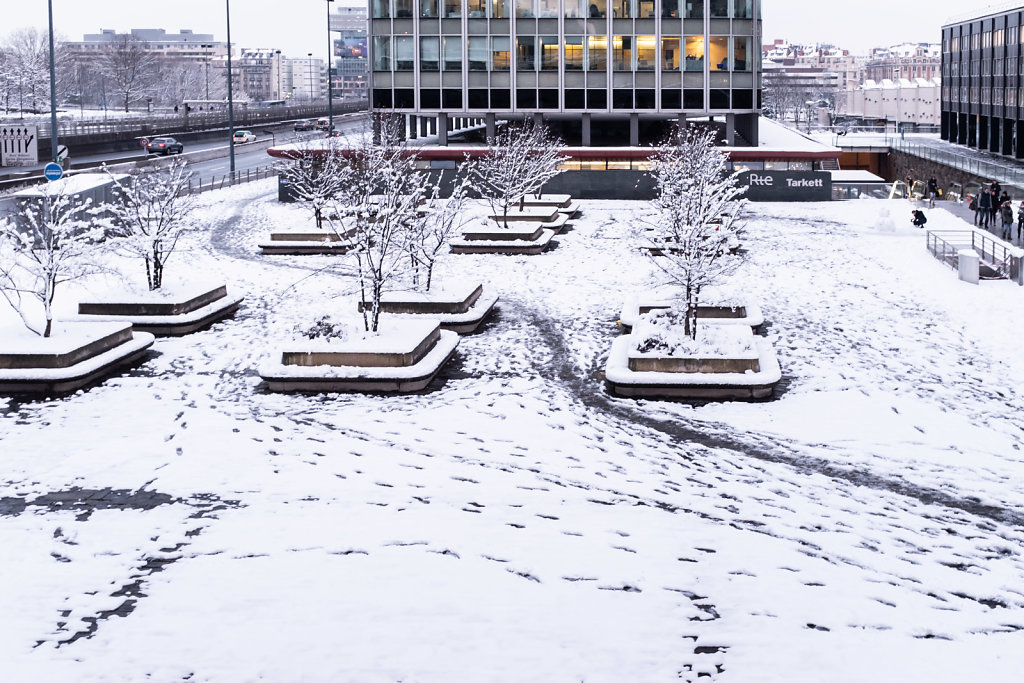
(19, 145)
(787, 186)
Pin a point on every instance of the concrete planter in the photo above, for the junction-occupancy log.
(563, 203)
(745, 313)
(543, 216)
(163, 315)
(515, 237)
(404, 358)
(461, 309)
(747, 376)
(306, 243)
(80, 354)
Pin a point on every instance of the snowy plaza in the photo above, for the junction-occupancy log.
(515, 522)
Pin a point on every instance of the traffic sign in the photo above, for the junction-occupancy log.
(53, 171)
(143, 142)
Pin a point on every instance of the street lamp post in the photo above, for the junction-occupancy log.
(53, 91)
(231, 101)
(330, 76)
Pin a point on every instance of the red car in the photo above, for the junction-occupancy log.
(164, 146)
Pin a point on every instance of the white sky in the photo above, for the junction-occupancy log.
(299, 26)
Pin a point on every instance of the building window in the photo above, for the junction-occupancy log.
(476, 9)
(453, 9)
(381, 9)
(525, 8)
(428, 9)
(740, 53)
(744, 9)
(525, 54)
(718, 53)
(404, 59)
(597, 9)
(478, 53)
(430, 54)
(670, 55)
(597, 53)
(646, 53)
(547, 9)
(452, 53)
(695, 53)
(694, 9)
(500, 9)
(501, 55)
(622, 9)
(549, 53)
(719, 8)
(403, 9)
(574, 53)
(670, 10)
(382, 53)
(622, 53)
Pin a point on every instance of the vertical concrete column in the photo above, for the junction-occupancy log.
(730, 129)
(585, 136)
(489, 124)
(538, 118)
(412, 127)
(442, 129)
(430, 125)
(634, 130)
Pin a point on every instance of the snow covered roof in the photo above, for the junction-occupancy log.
(72, 184)
(994, 8)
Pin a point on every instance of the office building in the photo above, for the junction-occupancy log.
(982, 90)
(351, 74)
(602, 70)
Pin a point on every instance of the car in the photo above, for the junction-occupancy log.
(164, 146)
(323, 124)
(241, 136)
(305, 124)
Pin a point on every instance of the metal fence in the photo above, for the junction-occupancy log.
(1004, 172)
(217, 182)
(1004, 259)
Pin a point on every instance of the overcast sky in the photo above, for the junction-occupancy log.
(298, 27)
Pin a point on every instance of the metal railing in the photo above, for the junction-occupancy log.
(218, 182)
(1004, 259)
(1004, 172)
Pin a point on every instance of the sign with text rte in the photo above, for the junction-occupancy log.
(53, 171)
(18, 145)
(787, 186)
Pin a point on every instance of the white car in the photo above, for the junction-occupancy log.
(241, 136)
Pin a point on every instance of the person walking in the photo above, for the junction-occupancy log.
(984, 208)
(933, 190)
(972, 206)
(1006, 214)
(1020, 221)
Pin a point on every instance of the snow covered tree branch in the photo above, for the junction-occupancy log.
(54, 241)
(698, 208)
(438, 221)
(519, 160)
(315, 176)
(150, 213)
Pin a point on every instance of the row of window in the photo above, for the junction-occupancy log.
(573, 53)
(987, 39)
(976, 95)
(593, 99)
(503, 9)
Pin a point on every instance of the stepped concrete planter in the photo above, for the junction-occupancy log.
(462, 309)
(169, 313)
(563, 203)
(77, 355)
(306, 243)
(740, 312)
(404, 357)
(545, 216)
(748, 373)
(527, 238)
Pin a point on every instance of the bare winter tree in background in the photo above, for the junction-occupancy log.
(698, 206)
(54, 242)
(150, 213)
(127, 68)
(519, 160)
(315, 176)
(25, 70)
(439, 220)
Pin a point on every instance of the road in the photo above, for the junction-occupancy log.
(244, 158)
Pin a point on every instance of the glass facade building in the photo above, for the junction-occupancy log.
(982, 88)
(569, 60)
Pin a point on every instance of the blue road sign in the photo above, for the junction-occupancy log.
(53, 171)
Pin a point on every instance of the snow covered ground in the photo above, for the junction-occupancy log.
(515, 522)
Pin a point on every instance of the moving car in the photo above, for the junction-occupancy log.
(323, 124)
(241, 136)
(305, 124)
(164, 146)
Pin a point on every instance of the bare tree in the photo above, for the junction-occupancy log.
(519, 160)
(25, 74)
(439, 220)
(315, 176)
(54, 242)
(698, 208)
(128, 68)
(150, 213)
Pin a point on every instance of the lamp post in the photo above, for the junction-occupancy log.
(310, 55)
(231, 101)
(330, 76)
(53, 91)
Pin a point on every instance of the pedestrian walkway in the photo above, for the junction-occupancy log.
(960, 209)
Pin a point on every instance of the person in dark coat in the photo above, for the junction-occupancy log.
(1006, 214)
(985, 207)
(919, 218)
(1020, 220)
(933, 190)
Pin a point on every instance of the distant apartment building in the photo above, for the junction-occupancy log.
(908, 61)
(304, 79)
(182, 46)
(350, 58)
(983, 89)
(910, 103)
(256, 72)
